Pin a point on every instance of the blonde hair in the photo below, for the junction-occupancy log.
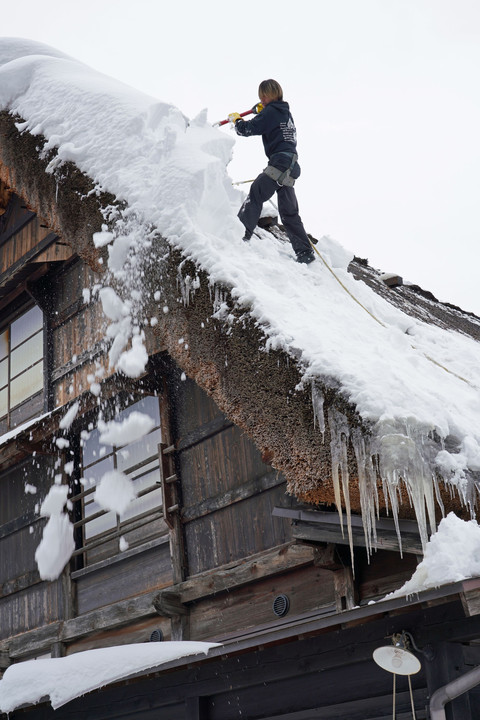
(271, 89)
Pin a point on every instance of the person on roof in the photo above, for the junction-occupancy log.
(274, 122)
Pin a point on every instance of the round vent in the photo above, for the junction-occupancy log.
(281, 605)
(156, 636)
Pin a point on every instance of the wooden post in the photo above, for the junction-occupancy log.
(57, 650)
(344, 589)
(196, 708)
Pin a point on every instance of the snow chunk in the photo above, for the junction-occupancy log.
(135, 426)
(55, 501)
(57, 544)
(134, 361)
(62, 443)
(100, 239)
(113, 307)
(63, 679)
(452, 555)
(115, 492)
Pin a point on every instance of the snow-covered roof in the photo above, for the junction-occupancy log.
(414, 385)
(63, 679)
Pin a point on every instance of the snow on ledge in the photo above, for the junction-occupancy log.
(21, 428)
(451, 555)
(64, 679)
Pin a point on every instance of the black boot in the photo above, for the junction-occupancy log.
(248, 235)
(305, 256)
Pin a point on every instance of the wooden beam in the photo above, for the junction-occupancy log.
(345, 592)
(327, 557)
(9, 276)
(168, 604)
(233, 575)
(32, 642)
(324, 527)
(242, 492)
(471, 597)
(58, 252)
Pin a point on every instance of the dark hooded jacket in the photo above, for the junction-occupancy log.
(275, 124)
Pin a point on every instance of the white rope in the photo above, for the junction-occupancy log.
(432, 360)
(394, 690)
(411, 698)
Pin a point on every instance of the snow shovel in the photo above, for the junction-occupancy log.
(224, 122)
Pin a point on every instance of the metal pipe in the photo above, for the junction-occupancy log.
(451, 690)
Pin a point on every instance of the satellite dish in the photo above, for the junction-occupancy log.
(396, 660)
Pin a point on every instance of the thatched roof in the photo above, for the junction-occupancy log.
(303, 421)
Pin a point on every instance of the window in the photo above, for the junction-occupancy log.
(100, 533)
(21, 368)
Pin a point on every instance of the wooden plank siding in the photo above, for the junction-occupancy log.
(129, 576)
(235, 532)
(25, 601)
(19, 244)
(228, 492)
(31, 608)
(251, 606)
(20, 231)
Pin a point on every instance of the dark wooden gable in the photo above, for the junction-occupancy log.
(27, 246)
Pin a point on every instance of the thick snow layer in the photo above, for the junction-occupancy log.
(451, 555)
(57, 542)
(63, 679)
(410, 380)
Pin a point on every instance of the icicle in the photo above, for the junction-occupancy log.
(339, 435)
(188, 286)
(367, 480)
(406, 454)
(318, 416)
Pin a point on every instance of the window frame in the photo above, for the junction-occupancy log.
(81, 494)
(8, 420)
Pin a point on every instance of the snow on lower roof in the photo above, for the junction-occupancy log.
(410, 380)
(451, 555)
(63, 679)
(6, 437)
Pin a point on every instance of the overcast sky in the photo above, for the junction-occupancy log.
(385, 95)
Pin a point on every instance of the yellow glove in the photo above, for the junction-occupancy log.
(233, 117)
(257, 108)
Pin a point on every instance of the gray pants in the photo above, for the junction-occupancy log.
(263, 188)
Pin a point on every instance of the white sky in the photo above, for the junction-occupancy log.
(384, 93)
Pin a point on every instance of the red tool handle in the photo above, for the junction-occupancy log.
(224, 122)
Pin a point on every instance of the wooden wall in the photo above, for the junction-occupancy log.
(20, 232)
(25, 601)
(228, 493)
(123, 577)
(77, 329)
